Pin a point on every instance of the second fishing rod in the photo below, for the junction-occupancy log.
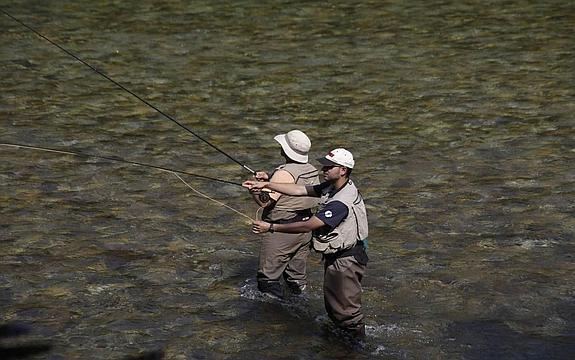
(113, 159)
(99, 72)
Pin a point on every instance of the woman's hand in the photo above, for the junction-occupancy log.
(262, 176)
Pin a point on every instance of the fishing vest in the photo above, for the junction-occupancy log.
(294, 208)
(352, 229)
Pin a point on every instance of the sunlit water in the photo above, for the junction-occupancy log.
(459, 113)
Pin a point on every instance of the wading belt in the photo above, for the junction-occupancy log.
(358, 252)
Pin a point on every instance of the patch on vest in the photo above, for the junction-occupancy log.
(328, 214)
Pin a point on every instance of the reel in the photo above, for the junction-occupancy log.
(264, 197)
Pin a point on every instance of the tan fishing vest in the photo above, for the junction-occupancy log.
(288, 207)
(352, 229)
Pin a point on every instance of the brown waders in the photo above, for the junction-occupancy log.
(286, 254)
(342, 291)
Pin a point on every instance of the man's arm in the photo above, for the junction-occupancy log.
(331, 215)
(314, 223)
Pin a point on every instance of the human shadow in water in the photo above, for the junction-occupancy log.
(149, 355)
(20, 351)
(28, 349)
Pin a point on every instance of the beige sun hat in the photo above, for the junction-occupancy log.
(295, 145)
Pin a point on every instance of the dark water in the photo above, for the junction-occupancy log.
(461, 118)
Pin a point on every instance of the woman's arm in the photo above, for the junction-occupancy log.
(284, 188)
(280, 176)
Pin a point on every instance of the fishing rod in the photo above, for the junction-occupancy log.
(127, 90)
(116, 159)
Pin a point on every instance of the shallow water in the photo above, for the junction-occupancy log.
(460, 115)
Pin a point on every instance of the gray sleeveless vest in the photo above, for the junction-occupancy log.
(288, 207)
(352, 229)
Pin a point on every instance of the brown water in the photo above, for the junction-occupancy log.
(460, 115)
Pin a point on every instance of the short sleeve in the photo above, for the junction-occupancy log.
(333, 213)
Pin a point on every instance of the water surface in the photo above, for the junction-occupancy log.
(460, 116)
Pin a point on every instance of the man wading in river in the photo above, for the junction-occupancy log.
(283, 253)
(339, 233)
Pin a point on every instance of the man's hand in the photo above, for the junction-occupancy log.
(254, 185)
(260, 227)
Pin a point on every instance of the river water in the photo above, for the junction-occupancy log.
(460, 115)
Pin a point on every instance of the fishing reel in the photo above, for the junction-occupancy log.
(264, 196)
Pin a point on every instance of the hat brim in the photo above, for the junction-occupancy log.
(281, 139)
(326, 162)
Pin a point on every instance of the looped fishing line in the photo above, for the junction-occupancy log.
(214, 200)
(258, 215)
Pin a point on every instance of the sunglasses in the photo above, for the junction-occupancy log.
(328, 167)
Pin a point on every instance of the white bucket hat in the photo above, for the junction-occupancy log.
(340, 157)
(295, 145)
